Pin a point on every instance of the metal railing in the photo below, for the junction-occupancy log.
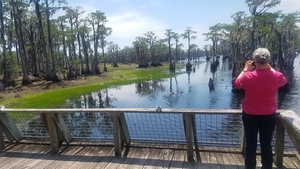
(191, 127)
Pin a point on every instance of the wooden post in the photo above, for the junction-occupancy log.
(188, 128)
(9, 128)
(51, 126)
(291, 122)
(124, 129)
(193, 118)
(66, 135)
(243, 141)
(117, 134)
(2, 146)
(279, 143)
(57, 129)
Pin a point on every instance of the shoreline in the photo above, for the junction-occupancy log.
(43, 94)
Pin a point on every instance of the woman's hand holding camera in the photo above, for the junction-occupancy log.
(249, 66)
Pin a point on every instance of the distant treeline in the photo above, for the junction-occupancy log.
(34, 44)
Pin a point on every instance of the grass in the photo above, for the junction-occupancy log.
(51, 97)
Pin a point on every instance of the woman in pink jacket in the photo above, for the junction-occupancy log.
(261, 83)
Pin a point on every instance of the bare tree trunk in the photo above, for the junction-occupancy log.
(85, 52)
(55, 77)
(5, 76)
(43, 41)
(19, 31)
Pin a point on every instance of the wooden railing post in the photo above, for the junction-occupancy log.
(2, 146)
(243, 141)
(279, 143)
(64, 133)
(188, 128)
(291, 122)
(121, 133)
(195, 137)
(51, 127)
(57, 129)
(10, 128)
(124, 129)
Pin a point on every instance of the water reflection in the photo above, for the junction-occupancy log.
(185, 91)
(173, 97)
(150, 89)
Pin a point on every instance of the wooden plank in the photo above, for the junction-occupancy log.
(204, 157)
(178, 160)
(243, 141)
(84, 155)
(287, 163)
(117, 134)
(131, 159)
(7, 158)
(39, 158)
(52, 130)
(258, 159)
(139, 159)
(227, 159)
(91, 156)
(115, 162)
(132, 110)
(63, 128)
(66, 159)
(35, 156)
(44, 160)
(291, 122)
(212, 155)
(9, 128)
(124, 128)
(19, 153)
(279, 144)
(219, 157)
(154, 159)
(234, 160)
(29, 155)
(2, 145)
(166, 159)
(105, 156)
(295, 161)
(188, 128)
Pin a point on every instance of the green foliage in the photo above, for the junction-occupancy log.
(11, 66)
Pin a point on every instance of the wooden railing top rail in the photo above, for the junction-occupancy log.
(289, 120)
(137, 110)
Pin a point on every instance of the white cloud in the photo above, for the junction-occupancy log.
(289, 6)
(129, 20)
(132, 23)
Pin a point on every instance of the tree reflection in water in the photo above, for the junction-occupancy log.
(184, 92)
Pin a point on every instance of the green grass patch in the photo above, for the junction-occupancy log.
(50, 98)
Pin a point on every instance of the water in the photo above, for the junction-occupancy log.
(185, 90)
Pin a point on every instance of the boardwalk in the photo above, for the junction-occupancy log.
(139, 156)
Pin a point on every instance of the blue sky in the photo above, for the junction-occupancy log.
(132, 18)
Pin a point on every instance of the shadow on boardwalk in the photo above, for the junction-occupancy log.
(95, 155)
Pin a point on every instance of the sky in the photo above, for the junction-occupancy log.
(132, 18)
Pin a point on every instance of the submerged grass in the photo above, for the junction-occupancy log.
(56, 97)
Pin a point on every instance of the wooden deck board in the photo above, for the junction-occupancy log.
(66, 158)
(153, 159)
(104, 156)
(95, 156)
(140, 158)
(178, 157)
